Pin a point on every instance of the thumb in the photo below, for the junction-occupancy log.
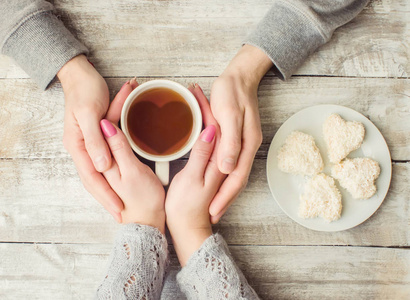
(201, 152)
(119, 146)
(95, 144)
(231, 142)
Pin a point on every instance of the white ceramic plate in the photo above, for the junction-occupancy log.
(287, 188)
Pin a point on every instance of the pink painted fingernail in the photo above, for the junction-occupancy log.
(107, 128)
(208, 134)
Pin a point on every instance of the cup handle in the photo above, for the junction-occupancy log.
(162, 171)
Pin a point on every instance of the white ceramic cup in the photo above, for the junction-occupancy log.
(162, 161)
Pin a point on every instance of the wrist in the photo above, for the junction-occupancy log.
(188, 242)
(156, 220)
(250, 64)
(74, 70)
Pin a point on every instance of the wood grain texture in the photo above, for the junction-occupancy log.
(31, 121)
(55, 238)
(47, 271)
(198, 38)
(43, 200)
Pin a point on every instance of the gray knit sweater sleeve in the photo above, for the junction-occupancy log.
(211, 273)
(36, 39)
(293, 29)
(137, 265)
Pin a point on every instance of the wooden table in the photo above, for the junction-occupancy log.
(55, 239)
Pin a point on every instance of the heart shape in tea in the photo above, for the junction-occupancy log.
(160, 130)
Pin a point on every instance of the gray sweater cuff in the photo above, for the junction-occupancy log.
(41, 46)
(137, 264)
(211, 273)
(288, 36)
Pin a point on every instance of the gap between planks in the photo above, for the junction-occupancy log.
(269, 75)
(230, 245)
(181, 159)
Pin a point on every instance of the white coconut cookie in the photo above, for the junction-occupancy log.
(357, 176)
(321, 198)
(342, 137)
(300, 155)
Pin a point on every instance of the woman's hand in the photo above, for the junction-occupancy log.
(192, 190)
(234, 104)
(86, 103)
(134, 182)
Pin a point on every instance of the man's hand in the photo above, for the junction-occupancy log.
(234, 104)
(86, 103)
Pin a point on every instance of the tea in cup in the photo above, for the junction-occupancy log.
(162, 121)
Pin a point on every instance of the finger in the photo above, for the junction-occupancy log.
(112, 175)
(96, 184)
(231, 139)
(237, 180)
(213, 177)
(134, 83)
(201, 152)
(119, 146)
(94, 142)
(207, 116)
(216, 219)
(114, 111)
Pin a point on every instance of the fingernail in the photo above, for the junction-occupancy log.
(128, 82)
(100, 163)
(191, 86)
(208, 134)
(228, 165)
(213, 213)
(214, 221)
(107, 128)
(197, 86)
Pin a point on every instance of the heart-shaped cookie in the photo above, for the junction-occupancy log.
(160, 130)
(300, 155)
(357, 176)
(321, 198)
(342, 137)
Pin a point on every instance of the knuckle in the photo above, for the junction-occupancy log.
(136, 171)
(234, 144)
(236, 114)
(218, 84)
(213, 167)
(117, 146)
(203, 152)
(258, 138)
(93, 145)
(90, 109)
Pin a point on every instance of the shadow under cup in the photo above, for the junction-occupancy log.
(162, 121)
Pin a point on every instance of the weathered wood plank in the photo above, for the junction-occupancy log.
(198, 38)
(43, 201)
(31, 122)
(74, 272)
